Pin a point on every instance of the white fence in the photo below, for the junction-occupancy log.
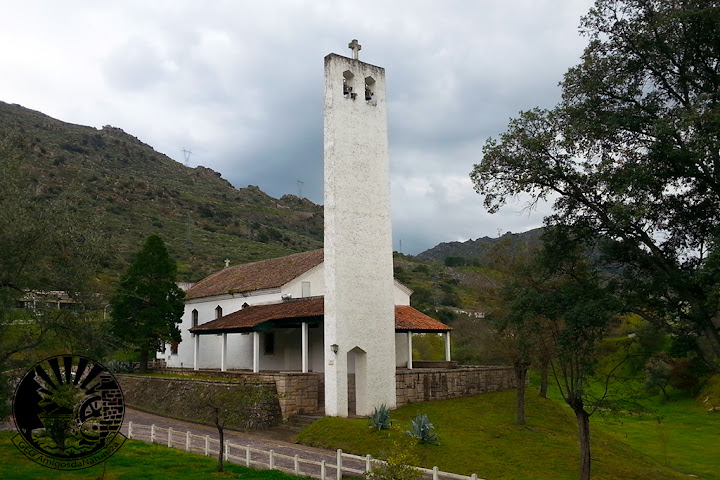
(346, 465)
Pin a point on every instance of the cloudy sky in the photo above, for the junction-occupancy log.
(240, 83)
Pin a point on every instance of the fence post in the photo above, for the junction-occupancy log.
(297, 465)
(227, 448)
(339, 465)
(169, 437)
(435, 473)
(322, 470)
(207, 445)
(152, 433)
(247, 456)
(272, 460)
(367, 465)
(130, 429)
(187, 441)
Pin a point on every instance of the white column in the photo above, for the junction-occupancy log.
(409, 361)
(196, 351)
(223, 353)
(304, 347)
(447, 346)
(256, 351)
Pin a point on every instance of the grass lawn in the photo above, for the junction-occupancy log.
(478, 435)
(686, 438)
(678, 432)
(135, 460)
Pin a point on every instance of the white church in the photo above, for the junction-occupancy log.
(337, 310)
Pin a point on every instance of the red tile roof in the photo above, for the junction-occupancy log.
(307, 309)
(409, 319)
(248, 318)
(250, 277)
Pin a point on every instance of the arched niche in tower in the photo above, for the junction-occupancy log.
(349, 85)
(370, 91)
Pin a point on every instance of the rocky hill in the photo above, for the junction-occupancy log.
(461, 252)
(133, 191)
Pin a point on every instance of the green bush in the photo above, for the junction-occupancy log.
(398, 464)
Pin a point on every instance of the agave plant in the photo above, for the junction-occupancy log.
(422, 430)
(380, 419)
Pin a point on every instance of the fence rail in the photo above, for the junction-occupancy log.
(345, 464)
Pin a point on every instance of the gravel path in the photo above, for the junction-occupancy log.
(247, 439)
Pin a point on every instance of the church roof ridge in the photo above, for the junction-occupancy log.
(260, 275)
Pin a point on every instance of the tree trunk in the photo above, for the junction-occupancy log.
(544, 379)
(583, 421)
(520, 377)
(221, 434)
(143, 360)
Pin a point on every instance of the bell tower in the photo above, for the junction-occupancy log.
(359, 301)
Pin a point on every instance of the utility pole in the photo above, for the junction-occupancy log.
(300, 187)
(187, 154)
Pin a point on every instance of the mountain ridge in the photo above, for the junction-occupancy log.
(136, 191)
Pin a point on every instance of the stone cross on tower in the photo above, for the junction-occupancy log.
(355, 47)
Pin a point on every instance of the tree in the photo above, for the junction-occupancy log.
(632, 154)
(148, 304)
(578, 305)
(235, 406)
(46, 246)
(520, 339)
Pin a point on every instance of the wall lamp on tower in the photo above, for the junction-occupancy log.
(334, 348)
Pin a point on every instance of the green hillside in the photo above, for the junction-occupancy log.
(132, 191)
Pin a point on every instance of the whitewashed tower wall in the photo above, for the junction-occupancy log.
(359, 304)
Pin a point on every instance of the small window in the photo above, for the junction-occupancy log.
(269, 343)
(218, 312)
(174, 348)
(194, 318)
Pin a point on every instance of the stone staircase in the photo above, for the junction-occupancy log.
(298, 422)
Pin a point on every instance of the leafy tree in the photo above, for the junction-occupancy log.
(579, 307)
(632, 154)
(148, 305)
(657, 373)
(46, 246)
(521, 339)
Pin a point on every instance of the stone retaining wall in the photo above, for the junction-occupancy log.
(303, 393)
(430, 384)
(179, 397)
(298, 393)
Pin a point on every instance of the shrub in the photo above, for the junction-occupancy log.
(398, 464)
(380, 419)
(422, 430)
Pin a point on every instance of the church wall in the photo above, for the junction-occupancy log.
(401, 349)
(401, 297)
(315, 277)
